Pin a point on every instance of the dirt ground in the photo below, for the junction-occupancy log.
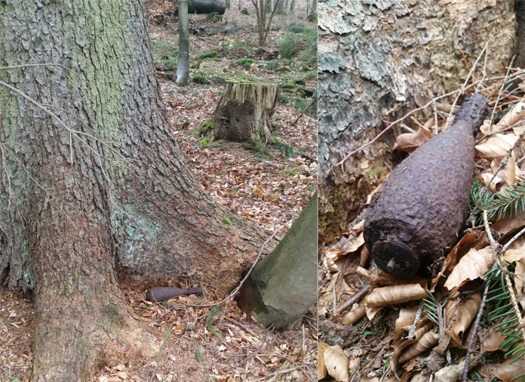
(269, 188)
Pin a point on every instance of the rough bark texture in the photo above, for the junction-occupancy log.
(183, 63)
(520, 43)
(424, 202)
(377, 56)
(244, 112)
(101, 184)
(283, 286)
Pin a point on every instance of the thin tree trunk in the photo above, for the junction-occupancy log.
(283, 286)
(386, 57)
(95, 182)
(183, 64)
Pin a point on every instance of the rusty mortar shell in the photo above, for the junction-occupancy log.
(423, 203)
(166, 293)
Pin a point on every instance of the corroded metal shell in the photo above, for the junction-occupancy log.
(423, 203)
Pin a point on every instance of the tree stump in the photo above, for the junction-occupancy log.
(244, 112)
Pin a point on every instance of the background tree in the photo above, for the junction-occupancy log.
(92, 178)
(391, 75)
(265, 10)
(183, 63)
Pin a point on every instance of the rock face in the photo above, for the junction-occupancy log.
(379, 57)
(423, 203)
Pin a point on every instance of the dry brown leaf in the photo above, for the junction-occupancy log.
(513, 116)
(517, 255)
(471, 266)
(511, 171)
(371, 311)
(321, 367)
(371, 195)
(357, 228)
(508, 371)
(410, 141)
(353, 244)
(460, 314)
(353, 365)
(470, 240)
(497, 145)
(490, 181)
(400, 346)
(357, 312)
(449, 373)
(404, 320)
(336, 363)
(519, 282)
(345, 246)
(376, 276)
(492, 340)
(426, 342)
(507, 225)
(396, 294)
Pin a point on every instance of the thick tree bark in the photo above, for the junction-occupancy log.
(183, 64)
(283, 286)
(92, 181)
(377, 56)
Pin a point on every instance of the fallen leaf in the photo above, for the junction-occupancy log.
(408, 142)
(321, 367)
(492, 340)
(511, 171)
(353, 244)
(469, 240)
(508, 371)
(497, 145)
(426, 342)
(508, 225)
(357, 312)
(490, 181)
(460, 313)
(336, 363)
(396, 294)
(449, 373)
(371, 311)
(471, 266)
(404, 320)
(513, 116)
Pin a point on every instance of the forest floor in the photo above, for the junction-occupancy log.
(268, 186)
(425, 338)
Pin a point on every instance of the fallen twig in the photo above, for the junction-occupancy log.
(355, 298)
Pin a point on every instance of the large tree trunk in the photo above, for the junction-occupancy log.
(283, 286)
(183, 64)
(92, 181)
(376, 56)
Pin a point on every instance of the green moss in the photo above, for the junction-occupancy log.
(300, 42)
(199, 78)
(209, 54)
(207, 126)
(245, 62)
(165, 54)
